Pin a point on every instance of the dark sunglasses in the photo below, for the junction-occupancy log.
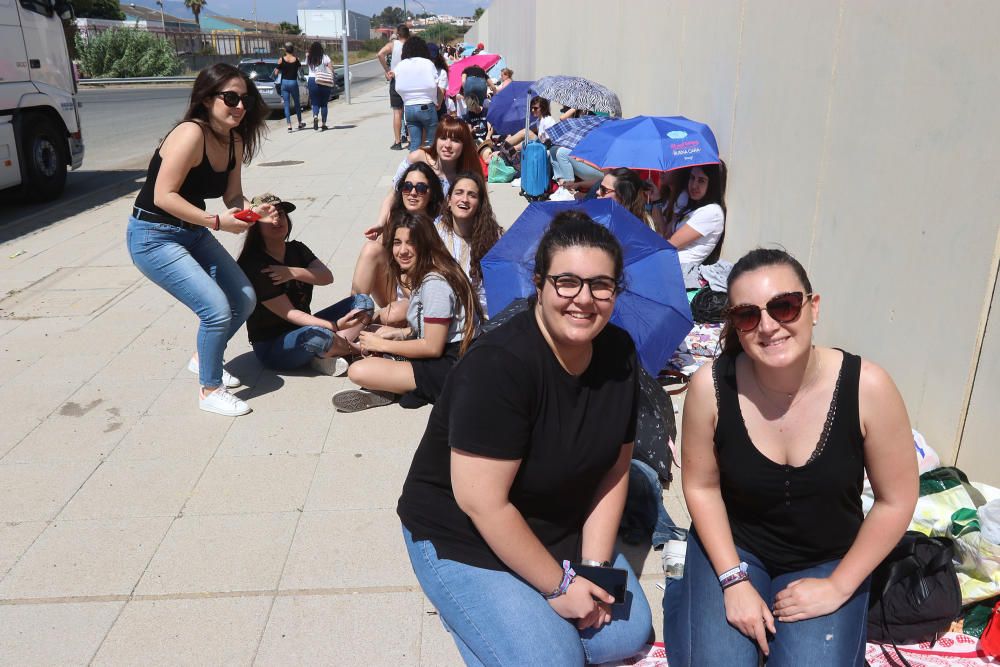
(421, 188)
(569, 285)
(784, 309)
(603, 191)
(231, 99)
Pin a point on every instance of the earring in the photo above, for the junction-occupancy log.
(814, 322)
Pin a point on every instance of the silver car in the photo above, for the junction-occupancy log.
(261, 72)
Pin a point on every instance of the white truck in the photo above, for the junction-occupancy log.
(39, 116)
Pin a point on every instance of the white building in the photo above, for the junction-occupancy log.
(330, 23)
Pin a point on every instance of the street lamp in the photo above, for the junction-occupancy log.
(163, 23)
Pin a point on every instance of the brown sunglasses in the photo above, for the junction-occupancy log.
(783, 308)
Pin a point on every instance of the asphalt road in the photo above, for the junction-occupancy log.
(122, 126)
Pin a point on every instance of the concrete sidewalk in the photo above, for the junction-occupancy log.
(136, 529)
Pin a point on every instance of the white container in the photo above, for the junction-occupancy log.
(674, 553)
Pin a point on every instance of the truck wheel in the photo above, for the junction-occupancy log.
(43, 159)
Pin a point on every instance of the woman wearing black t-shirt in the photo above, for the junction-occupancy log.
(283, 332)
(289, 67)
(524, 466)
(778, 434)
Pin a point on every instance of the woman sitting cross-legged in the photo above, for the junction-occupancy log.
(443, 316)
(523, 470)
(283, 333)
(418, 190)
(777, 436)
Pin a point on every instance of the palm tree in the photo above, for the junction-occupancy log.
(195, 7)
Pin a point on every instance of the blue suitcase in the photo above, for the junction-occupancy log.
(535, 173)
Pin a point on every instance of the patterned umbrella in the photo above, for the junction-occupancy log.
(579, 93)
(569, 132)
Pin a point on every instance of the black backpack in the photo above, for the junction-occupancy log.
(915, 592)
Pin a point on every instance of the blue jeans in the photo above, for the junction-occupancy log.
(496, 618)
(420, 118)
(475, 86)
(290, 91)
(297, 348)
(319, 97)
(697, 633)
(196, 270)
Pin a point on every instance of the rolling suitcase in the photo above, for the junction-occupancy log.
(534, 170)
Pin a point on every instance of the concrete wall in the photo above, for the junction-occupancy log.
(862, 136)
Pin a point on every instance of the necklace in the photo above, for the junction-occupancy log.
(794, 397)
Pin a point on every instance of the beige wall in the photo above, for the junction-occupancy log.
(862, 136)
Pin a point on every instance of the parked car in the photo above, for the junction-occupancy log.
(261, 71)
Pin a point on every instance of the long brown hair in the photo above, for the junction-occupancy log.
(631, 191)
(452, 128)
(485, 229)
(715, 194)
(433, 256)
(208, 84)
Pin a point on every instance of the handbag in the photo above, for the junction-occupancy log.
(914, 592)
(324, 77)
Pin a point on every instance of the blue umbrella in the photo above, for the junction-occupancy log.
(660, 143)
(494, 72)
(508, 107)
(653, 308)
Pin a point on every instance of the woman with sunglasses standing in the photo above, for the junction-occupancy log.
(523, 471)
(168, 233)
(442, 315)
(778, 434)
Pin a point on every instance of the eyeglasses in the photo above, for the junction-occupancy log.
(421, 188)
(569, 285)
(603, 191)
(784, 309)
(232, 99)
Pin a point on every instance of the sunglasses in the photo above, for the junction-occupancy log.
(421, 188)
(232, 99)
(784, 309)
(604, 191)
(569, 285)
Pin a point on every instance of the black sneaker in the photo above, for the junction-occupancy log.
(396, 147)
(355, 400)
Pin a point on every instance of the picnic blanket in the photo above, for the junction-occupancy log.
(951, 648)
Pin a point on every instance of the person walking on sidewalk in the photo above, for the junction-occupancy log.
(320, 82)
(284, 333)
(394, 49)
(416, 80)
(168, 233)
(289, 66)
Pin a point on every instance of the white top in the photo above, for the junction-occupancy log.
(709, 221)
(543, 125)
(416, 81)
(456, 105)
(322, 67)
(461, 252)
(443, 79)
(397, 54)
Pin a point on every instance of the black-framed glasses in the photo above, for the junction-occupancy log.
(569, 285)
(783, 308)
(231, 99)
(421, 188)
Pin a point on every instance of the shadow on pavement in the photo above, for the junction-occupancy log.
(84, 190)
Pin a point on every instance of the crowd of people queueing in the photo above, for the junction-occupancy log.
(521, 476)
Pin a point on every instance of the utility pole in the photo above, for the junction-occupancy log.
(163, 22)
(343, 44)
(256, 26)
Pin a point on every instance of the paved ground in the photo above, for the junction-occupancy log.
(135, 529)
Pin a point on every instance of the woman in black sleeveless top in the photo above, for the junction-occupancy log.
(777, 436)
(168, 233)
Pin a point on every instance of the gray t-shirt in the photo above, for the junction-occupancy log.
(434, 302)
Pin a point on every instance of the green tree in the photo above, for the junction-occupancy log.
(289, 28)
(195, 7)
(127, 52)
(476, 15)
(99, 9)
(441, 33)
(390, 17)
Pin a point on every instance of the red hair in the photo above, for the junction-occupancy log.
(456, 130)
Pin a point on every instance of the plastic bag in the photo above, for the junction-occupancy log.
(500, 171)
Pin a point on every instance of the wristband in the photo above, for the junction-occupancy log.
(568, 576)
(218, 223)
(595, 563)
(734, 576)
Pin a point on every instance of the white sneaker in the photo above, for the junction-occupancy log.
(516, 183)
(336, 366)
(230, 381)
(562, 194)
(221, 402)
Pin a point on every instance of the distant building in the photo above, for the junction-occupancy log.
(144, 18)
(330, 23)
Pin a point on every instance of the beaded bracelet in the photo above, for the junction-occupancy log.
(568, 576)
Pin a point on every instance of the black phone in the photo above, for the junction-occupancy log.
(611, 579)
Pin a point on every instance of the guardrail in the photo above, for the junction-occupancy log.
(144, 79)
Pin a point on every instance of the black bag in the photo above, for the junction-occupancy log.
(709, 307)
(914, 592)
(655, 425)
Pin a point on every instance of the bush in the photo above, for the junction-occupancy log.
(372, 44)
(126, 52)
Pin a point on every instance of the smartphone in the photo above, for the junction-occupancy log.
(611, 579)
(247, 215)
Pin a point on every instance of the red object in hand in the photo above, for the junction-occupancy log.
(247, 215)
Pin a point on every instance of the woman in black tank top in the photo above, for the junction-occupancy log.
(168, 234)
(777, 436)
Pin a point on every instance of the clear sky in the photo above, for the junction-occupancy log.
(284, 10)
